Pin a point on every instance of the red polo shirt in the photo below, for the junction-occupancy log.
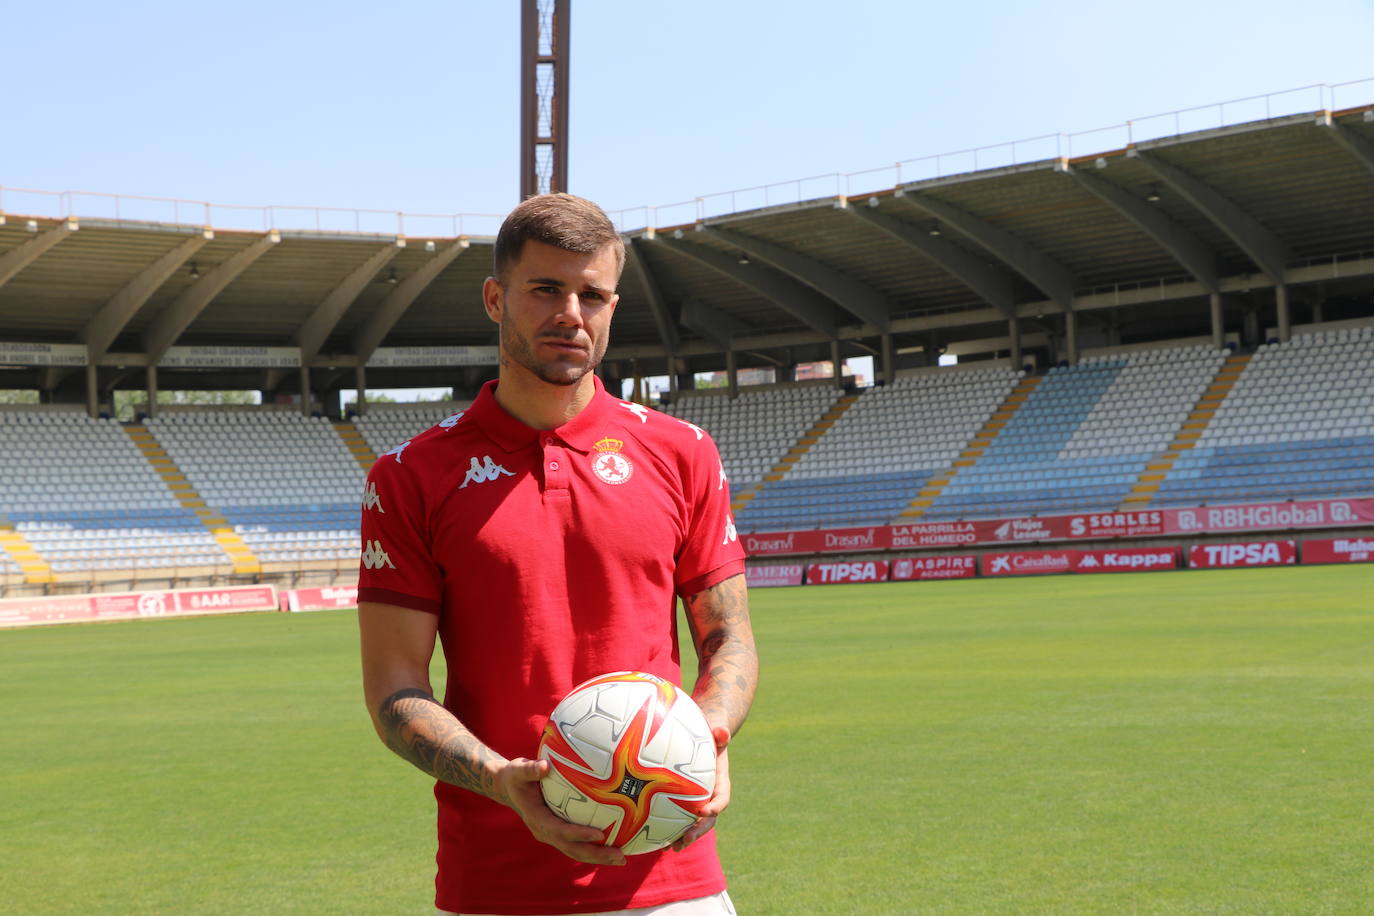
(550, 557)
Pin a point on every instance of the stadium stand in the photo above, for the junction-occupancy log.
(1083, 436)
(1298, 423)
(87, 501)
(755, 431)
(386, 426)
(286, 483)
(866, 468)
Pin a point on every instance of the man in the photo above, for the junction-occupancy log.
(544, 536)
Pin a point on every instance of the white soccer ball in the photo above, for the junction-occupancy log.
(630, 754)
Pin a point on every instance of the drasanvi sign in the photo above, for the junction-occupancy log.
(421, 357)
(13, 353)
(231, 358)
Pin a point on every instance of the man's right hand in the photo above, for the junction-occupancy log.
(518, 782)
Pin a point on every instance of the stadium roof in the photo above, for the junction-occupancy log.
(1132, 240)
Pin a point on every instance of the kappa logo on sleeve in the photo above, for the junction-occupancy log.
(450, 422)
(374, 557)
(723, 479)
(730, 533)
(370, 498)
(396, 452)
(639, 410)
(694, 428)
(484, 471)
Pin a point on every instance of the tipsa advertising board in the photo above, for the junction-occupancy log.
(833, 573)
(1245, 553)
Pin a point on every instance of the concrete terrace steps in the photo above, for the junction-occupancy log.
(1157, 471)
(356, 445)
(804, 443)
(974, 449)
(35, 569)
(239, 554)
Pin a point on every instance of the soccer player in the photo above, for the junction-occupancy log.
(544, 536)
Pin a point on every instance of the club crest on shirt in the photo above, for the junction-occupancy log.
(608, 464)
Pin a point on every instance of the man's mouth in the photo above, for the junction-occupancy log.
(563, 345)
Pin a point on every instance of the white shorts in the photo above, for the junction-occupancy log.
(715, 905)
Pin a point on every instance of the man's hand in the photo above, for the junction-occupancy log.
(518, 783)
(719, 800)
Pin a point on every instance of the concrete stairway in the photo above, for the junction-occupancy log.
(1198, 419)
(974, 450)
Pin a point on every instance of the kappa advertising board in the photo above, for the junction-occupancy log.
(909, 569)
(1142, 559)
(835, 573)
(18, 612)
(1339, 550)
(773, 576)
(1247, 553)
(319, 599)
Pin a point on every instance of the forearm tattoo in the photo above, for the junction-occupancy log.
(421, 730)
(728, 665)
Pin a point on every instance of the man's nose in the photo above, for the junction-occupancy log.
(570, 310)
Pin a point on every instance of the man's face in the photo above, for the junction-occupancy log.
(555, 311)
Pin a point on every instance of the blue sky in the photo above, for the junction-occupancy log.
(413, 106)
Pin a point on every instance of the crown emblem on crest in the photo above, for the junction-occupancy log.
(609, 445)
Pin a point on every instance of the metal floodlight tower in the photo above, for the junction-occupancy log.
(543, 96)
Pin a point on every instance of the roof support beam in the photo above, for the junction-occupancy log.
(311, 335)
(1259, 244)
(793, 297)
(1353, 143)
(711, 323)
(379, 324)
(658, 305)
(854, 296)
(988, 281)
(1052, 278)
(105, 325)
(21, 256)
(1168, 233)
(177, 317)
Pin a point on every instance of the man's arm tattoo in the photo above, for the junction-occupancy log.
(728, 665)
(422, 731)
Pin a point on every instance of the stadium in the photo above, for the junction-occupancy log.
(1144, 349)
(1180, 322)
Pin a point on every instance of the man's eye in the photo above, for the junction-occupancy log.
(595, 297)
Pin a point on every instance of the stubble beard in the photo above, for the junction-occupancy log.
(517, 349)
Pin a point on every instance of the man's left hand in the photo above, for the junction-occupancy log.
(720, 798)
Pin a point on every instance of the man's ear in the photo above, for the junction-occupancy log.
(493, 298)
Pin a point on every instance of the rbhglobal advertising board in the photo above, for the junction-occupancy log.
(1320, 513)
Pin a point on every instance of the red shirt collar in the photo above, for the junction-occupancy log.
(512, 435)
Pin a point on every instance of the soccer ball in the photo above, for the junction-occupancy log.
(630, 754)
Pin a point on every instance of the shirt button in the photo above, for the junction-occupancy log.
(553, 465)
(548, 441)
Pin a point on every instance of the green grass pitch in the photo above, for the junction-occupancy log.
(1147, 743)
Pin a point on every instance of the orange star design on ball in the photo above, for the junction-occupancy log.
(631, 785)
